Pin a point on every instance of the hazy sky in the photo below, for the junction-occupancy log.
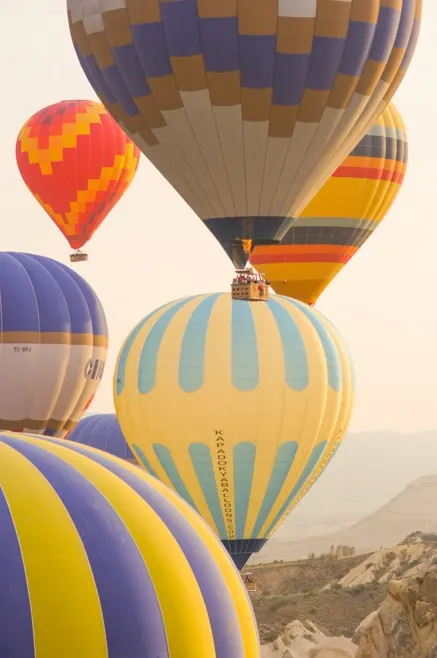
(383, 302)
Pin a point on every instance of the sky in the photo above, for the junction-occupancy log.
(153, 249)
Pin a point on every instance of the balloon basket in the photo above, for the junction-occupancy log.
(249, 286)
(78, 257)
(249, 582)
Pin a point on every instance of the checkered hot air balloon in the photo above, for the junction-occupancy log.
(342, 216)
(245, 106)
(77, 162)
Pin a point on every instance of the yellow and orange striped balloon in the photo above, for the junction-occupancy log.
(342, 216)
(77, 162)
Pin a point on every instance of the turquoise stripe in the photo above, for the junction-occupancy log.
(149, 353)
(167, 463)
(293, 347)
(122, 359)
(245, 371)
(143, 459)
(244, 464)
(284, 459)
(333, 361)
(192, 358)
(201, 459)
(309, 468)
(347, 352)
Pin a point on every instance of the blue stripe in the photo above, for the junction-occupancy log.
(333, 361)
(16, 628)
(346, 350)
(385, 34)
(167, 462)
(283, 462)
(293, 346)
(41, 297)
(257, 60)
(131, 611)
(102, 431)
(149, 42)
(214, 33)
(95, 76)
(224, 621)
(244, 464)
(66, 278)
(117, 85)
(244, 350)
(124, 354)
(202, 463)
(149, 354)
(181, 27)
(130, 69)
(192, 356)
(309, 468)
(141, 456)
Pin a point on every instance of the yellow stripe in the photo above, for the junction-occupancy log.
(189, 425)
(66, 612)
(230, 574)
(234, 583)
(346, 197)
(266, 430)
(185, 617)
(304, 427)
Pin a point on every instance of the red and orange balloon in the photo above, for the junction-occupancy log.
(77, 162)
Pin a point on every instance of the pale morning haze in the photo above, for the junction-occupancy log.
(153, 249)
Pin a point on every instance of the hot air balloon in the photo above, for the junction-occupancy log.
(100, 560)
(238, 403)
(102, 431)
(77, 163)
(245, 107)
(54, 342)
(342, 215)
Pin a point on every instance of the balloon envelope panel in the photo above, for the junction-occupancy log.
(102, 431)
(342, 215)
(54, 343)
(102, 560)
(77, 163)
(244, 106)
(234, 404)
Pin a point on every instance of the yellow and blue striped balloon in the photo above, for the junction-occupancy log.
(100, 560)
(235, 405)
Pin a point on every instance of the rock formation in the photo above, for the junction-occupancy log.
(307, 641)
(405, 626)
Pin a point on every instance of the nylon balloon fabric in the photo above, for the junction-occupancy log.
(54, 343)
(259, 395)
(77, 163)
(102, 431)
(103, 561)
(342, 216)
(245, 105)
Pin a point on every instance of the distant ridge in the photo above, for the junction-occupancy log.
(415, 508)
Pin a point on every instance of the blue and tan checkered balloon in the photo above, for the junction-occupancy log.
(245, 106)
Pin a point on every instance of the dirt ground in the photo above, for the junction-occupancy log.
(288, 591)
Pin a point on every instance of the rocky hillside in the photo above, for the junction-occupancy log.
(412, 509)
(393, 590)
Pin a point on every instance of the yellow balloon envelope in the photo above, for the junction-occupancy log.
(235, 405)
(342, 216)
(100, 560)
